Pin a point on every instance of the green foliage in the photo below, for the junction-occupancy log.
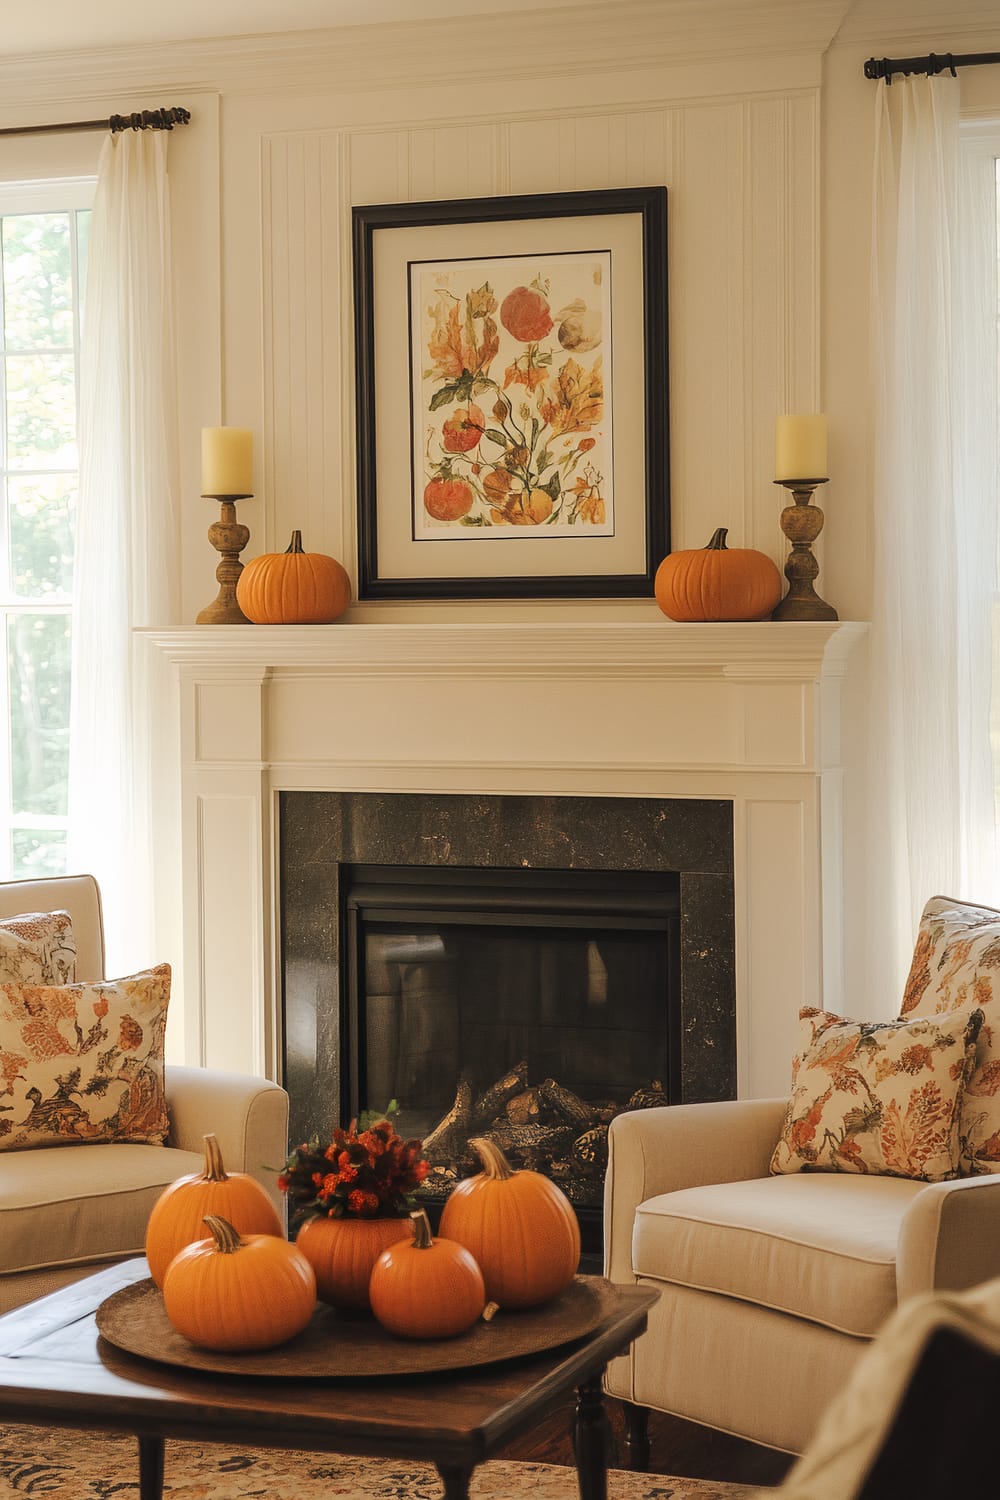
(39, 497)
(37, 286)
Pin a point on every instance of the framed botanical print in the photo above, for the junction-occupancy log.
(512, 421)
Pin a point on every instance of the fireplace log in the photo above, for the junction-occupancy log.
(533, 1140)
(449, 1137)
(567, 1105)
(651, 1096)
(526, 1108)
(492, 1102)
(590, 1150)
(578, 1189)
(440, 1178)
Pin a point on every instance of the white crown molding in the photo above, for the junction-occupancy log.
(939, 25)
(624, 34)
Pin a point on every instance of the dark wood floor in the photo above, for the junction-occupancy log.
(677, 1447)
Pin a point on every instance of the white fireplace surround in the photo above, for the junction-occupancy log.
(745, 712)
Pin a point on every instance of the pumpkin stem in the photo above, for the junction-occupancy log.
(422, 1237)
(214, 1170)
(227, 1239)
(295, 545)
(495, 1165)
(718, 542)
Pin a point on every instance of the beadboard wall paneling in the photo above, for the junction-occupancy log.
(742, 203)
(305, 290)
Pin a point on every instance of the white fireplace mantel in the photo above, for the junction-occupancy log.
(745, 712)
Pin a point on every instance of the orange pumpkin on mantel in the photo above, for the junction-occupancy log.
(717, 583)
(293, 587)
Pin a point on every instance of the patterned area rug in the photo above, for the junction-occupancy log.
(38, 1462)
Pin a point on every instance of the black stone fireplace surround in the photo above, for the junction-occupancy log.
(320, 833)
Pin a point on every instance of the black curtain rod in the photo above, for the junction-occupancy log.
(884, 67)
(146, 119)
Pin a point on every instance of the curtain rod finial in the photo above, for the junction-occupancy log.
(150, 119)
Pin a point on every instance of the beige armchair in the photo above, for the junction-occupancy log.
(65, 1210)
(770, 1287)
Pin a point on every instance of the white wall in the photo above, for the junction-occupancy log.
(285, 138)
(757, 119)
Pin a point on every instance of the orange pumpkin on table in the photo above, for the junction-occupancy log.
(240, 1292)
(426, 1288)
(717, 583)
(519, 1227)
(178, 1214)
(342, 1253)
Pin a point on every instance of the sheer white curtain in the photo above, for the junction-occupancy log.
(127, 555)
(934, 309)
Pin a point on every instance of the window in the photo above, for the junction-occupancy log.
(43, 246)
(995, 700)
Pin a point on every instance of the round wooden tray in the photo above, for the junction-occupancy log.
(332, 1345)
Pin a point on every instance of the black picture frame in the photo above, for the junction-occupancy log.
(386, 246)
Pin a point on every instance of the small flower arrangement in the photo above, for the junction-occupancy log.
(364, 1173)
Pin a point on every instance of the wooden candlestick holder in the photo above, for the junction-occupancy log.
(802, 524)
(228, 536)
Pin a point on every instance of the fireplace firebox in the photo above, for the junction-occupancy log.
(522, 964)
(527, 1006)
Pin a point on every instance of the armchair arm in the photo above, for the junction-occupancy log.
(950, 1237)
(248, 1115)
(653, 1151)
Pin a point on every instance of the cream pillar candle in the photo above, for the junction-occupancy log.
(800, 447)
(226, 461)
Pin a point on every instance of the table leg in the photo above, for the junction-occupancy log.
(455, 1479)
(636, 1436)
(150, 1468)
(591, 1436)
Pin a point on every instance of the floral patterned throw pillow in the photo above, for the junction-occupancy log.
(881, 1097)
(37, 948)
(956, 963)
(83, 1063)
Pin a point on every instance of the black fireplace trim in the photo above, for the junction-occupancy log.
(319, 831)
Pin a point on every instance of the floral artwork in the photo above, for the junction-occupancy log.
(510, 383)
(511, 369)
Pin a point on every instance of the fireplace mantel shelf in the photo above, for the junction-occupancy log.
(744, 713)
(800, 650)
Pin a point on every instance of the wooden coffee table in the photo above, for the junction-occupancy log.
(57, 1371)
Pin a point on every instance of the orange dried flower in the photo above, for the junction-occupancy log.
(374, 1174)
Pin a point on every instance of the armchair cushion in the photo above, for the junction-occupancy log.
(37, 948)
(880, 1096)
(956, 963)
(84, 1062)
(818, 1246)
(72, 1205)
